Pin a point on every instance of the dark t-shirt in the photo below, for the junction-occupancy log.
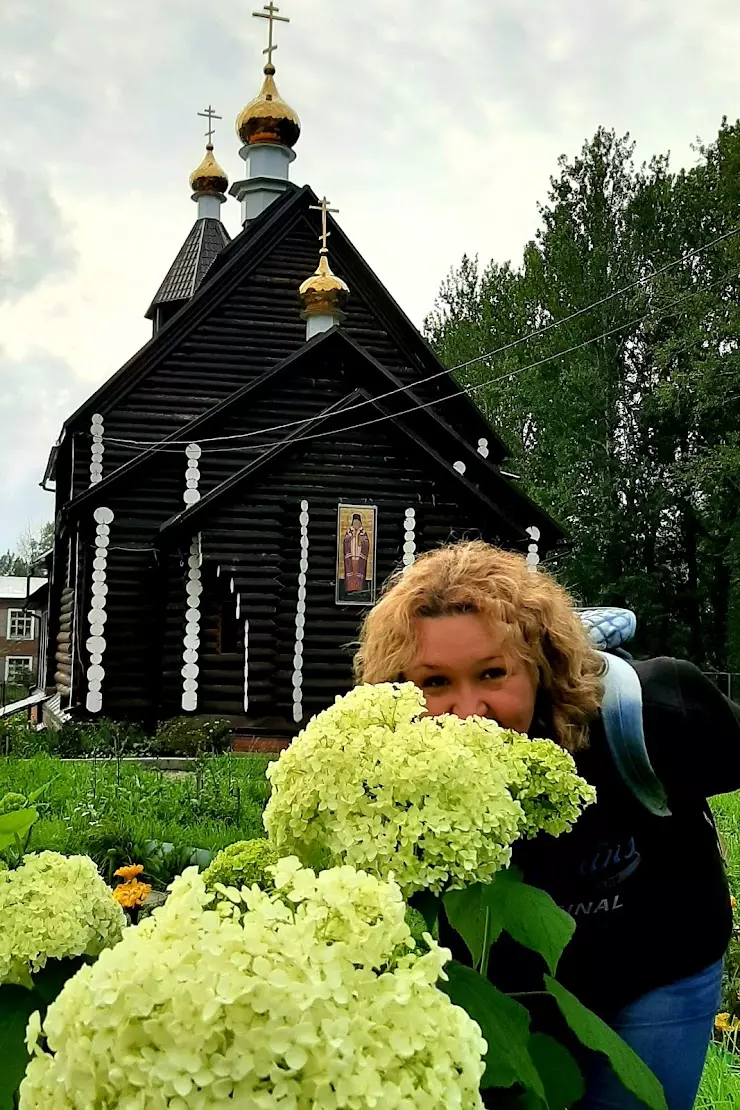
(648, 894)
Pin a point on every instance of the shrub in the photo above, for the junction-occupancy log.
(191, 736)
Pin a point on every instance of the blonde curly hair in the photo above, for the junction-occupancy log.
(474, 577)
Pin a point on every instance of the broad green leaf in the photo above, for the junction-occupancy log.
(504, 1024)
(472, 912)
(14, 825)
(596, 1034)
(38, 794)
(480, 913)
(531, 917)
(558, 1070)
(16, 1006)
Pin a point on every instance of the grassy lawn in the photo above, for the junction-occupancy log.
(113, 811)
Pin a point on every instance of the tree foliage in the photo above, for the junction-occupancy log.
(626, 428)
(29, 549)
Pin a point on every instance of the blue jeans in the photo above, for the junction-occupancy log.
(669, 1029)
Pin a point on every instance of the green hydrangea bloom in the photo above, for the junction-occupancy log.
(53, 907)
(434, 802)
(10, 802)
(242, 864)
(294, 1003)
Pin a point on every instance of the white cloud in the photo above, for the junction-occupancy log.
(433, 126)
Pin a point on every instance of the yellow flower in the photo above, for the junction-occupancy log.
(132, 894)
(725, 1023)
(733, 903)
(129, 872)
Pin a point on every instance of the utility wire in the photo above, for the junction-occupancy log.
(664, 314)
(453, 369)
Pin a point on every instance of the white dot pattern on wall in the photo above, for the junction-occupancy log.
(459, 466)
(246, 666)
(409, 538)
(191, 496)
(483, 448)
(97, 615)
(533, 554)
(191, 641)
(97, 449)
(300, 618)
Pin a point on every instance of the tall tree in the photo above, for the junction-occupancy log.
(618, 409)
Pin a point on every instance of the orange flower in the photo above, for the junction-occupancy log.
(129, 872)
(132, 894)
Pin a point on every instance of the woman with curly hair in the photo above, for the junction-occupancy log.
(481, 635)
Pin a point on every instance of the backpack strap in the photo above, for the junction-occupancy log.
(621, 713)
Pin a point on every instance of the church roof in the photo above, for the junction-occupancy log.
(206, 240)
(246, 253)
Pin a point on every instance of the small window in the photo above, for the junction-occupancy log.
(20, 624)
(18, 668)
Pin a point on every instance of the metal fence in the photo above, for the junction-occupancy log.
(727, 681)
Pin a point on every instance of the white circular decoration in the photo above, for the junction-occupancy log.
(94, 686)
(192, 642)
(102, 542)
(303, 519)
(191, 496)
(409, 548)
(95, 673)
(408, 560)
(190, 684)
(194, 590)
(103, 515)
(95, 644)
(190, 701)
(303, 566)
(100, 590)
(297, 681)
(299, 650)
(96, 418)
(96, 658)
(459, 466)
(410, 514)
(190, 655)
(192, 616)
(99, 577)
(102, 530)
(409, 535)
(194, 562)
(302, 579)
(191, 483)
(301, 608)
(98, 603)
(534, 533)
(96, 630)
(301, 593)
(100, 562)
(94, 702)
(304, 506)
(193, 451)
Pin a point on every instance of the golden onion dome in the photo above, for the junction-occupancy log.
(323, 293)
(209, 177)
(267, 118)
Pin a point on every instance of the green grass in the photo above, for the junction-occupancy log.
(111, 810)
(720, 1086)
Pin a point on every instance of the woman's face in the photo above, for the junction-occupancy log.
(462, 669)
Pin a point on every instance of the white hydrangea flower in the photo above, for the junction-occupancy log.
(54, 907)
(297, 1004)
(436, 802)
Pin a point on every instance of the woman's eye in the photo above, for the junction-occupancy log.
(433, 682)
(494, 672)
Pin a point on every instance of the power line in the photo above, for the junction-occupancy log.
(664, 314)
(453, 369)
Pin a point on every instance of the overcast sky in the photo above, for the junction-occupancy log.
(432, 124)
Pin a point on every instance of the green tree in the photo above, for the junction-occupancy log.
(29, 549)
(624, 428)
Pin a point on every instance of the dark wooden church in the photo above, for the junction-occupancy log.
(230, 502)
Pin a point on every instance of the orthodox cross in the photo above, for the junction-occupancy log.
(210, 115)
(324, 209)
(270, 14)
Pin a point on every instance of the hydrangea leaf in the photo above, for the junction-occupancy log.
(504, 1024)
(16, 1006)
(560, 1073)
(598, 1036)
(482, 912)
(14, 825)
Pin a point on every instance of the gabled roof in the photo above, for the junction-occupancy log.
(335, 345)
(242, 256)
(206, 240)
(509, 504)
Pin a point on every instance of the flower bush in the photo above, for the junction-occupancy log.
(435, 802)
(53, 907)
(293, 999)
(132, 892)
(242, 864)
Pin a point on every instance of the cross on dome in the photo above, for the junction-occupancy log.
(210, 115)
(270, 14)
(324, 209)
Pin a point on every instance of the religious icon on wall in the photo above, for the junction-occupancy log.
(356, 534)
